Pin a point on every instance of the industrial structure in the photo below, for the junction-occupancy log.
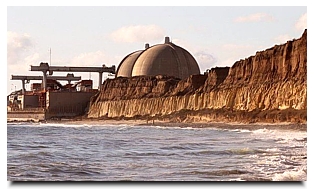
(27, 79)
(50, 99)
(161, 59)
(44, 68)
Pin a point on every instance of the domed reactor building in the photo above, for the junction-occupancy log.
(161, 59)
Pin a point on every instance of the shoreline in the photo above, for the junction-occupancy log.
(219, 125)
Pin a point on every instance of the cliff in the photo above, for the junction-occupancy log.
(267, 87)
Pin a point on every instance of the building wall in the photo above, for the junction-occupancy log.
(67, 104)
(30, 101)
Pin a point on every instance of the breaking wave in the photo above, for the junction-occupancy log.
(292, 175)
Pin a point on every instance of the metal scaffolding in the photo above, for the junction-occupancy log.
(44, 67)
(25, 79)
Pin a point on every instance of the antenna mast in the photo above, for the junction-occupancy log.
(50, 56)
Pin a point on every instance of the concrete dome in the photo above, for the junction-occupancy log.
(162, 59)
(126, 66)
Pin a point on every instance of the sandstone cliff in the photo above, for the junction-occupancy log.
(268, 87)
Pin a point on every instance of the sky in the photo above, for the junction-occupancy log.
(97, 35)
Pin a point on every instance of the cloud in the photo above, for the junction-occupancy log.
(17, 46)
(202, 55)
(21, 53)
(301, 24)
(257, 17)
(205, 60)
(97, 58)
(31, 59)
(138, 33)
(282, 39)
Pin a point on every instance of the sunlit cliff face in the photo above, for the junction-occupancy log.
(274, 79)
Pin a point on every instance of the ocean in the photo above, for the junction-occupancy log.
(131, 152)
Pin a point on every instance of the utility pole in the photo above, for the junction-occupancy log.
(50, 56)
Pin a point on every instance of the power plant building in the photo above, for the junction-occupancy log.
(49, 99)
(161, 59)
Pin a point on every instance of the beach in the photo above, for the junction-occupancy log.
(221, 125)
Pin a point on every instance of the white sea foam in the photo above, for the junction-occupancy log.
(63, 125)
(298, 175)
(236, 179)
(254, 156)
(245, 131)
(235, 130)
(14, 123)
(124, 125)
(52, 124)
(281, 135)
(167, 127)
(263, 131)
(272, 150)
(160, 127)
(122, 128)
(239, 130)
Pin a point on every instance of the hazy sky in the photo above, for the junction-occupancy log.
(92, 36)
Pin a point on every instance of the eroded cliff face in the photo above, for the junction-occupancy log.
(259, 88)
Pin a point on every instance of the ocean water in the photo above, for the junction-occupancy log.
(70, 152)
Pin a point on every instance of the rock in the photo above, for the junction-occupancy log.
(270, 86)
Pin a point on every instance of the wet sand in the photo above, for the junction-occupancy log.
(221, 125)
